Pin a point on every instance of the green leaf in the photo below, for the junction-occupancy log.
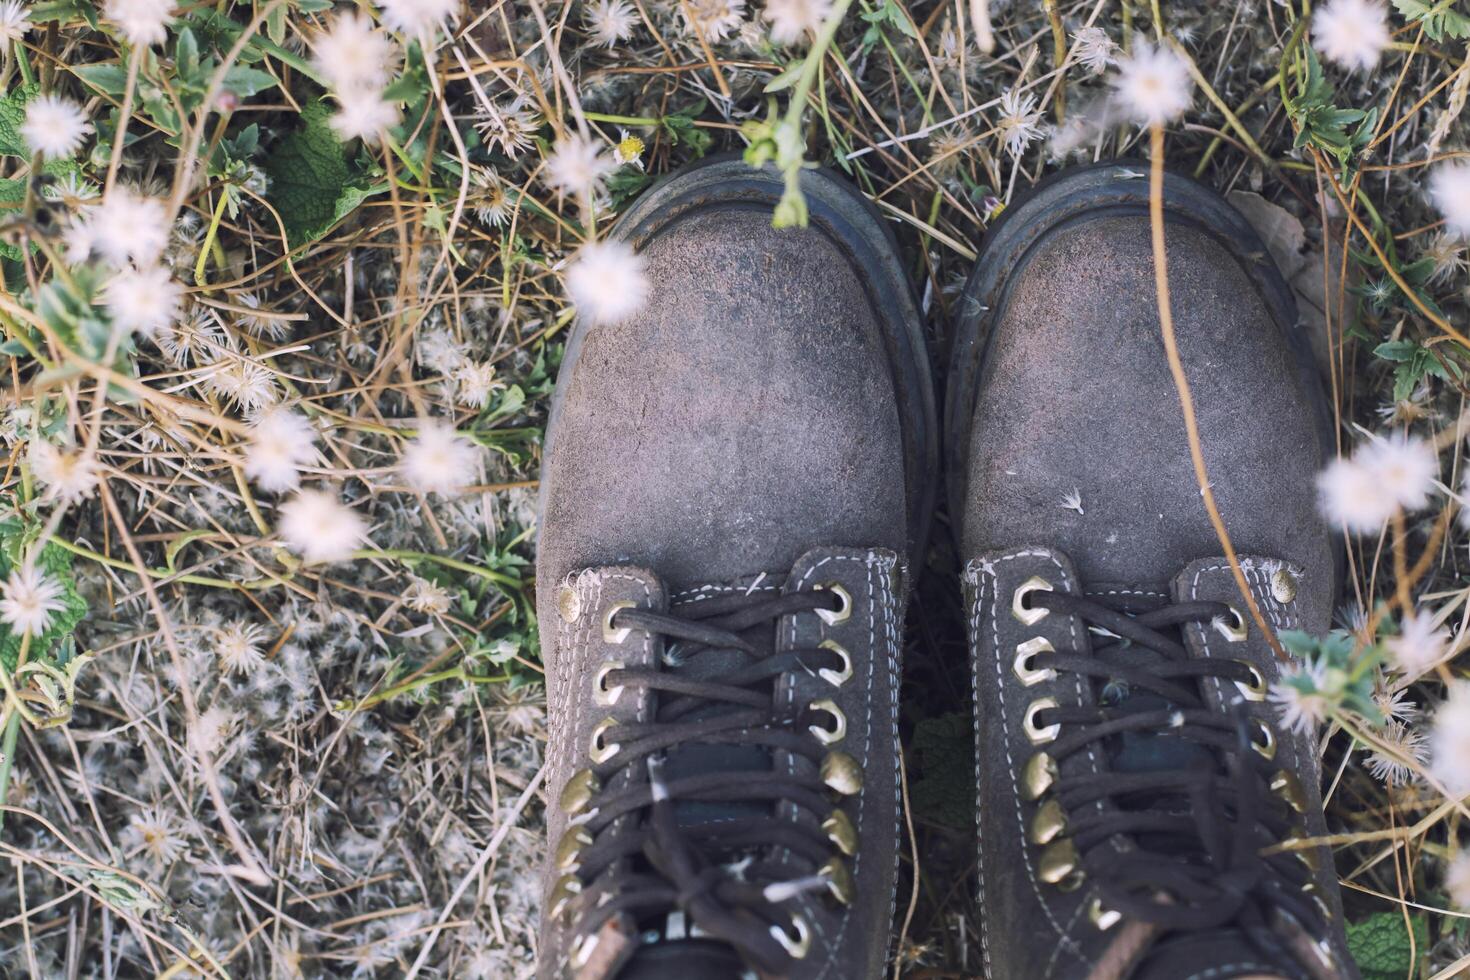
(312, 185)
(12, 115)
(107, 79)
(1380, 944)
(1439, 18)
(245, 81)
(682, 131)
(944, 754)
(56, 564)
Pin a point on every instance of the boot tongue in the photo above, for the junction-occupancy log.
(1225, 952)
(694, 958)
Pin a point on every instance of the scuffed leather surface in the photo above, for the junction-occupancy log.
(1076, 393)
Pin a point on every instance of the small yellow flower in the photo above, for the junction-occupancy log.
(630, 149)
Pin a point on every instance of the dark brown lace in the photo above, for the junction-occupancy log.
(731, 875)
(1195, 836)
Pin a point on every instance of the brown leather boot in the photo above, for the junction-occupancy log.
(736, 482)
(1130, 772)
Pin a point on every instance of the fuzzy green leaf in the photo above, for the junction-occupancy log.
(1380, 944)
(1439, 19)
(313, 185)
(56, 564)
(12, 115)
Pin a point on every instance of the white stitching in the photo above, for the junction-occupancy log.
(975, 567)
(1220, 971)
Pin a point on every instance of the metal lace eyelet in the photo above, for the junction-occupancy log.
(1233, 626)
(836, 677)
(843, 612)
(1101, 917)
(1059, 865)
(569, 851)
(1255, 689)
(839, 880)
(611, 634)
(796, 947)
(1027, 674)
(840, 831)
(601, 750)
(1265, 746)
(601, 693)
(567, 888)
(1040, 736)
(1029, 615)
(1285, 785)
(838, 731)
(579, 790)
(1038, 776)
(1048, 823)
(841, 772)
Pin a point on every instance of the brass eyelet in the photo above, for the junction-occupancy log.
(1029, 616)
(1233, 627)
(600, 751)
(836, 677)
(567, 888)
(1038, 775)
(1049, 822)
(798, 947)
(838, 731)
(601, 693)
(579, 790)
(1027, 674)
(1102, 918)
(569, 851)
(1266, 746)
(842, 773)
(615, 634)
(842, 613)
(1255, 689)
(1059, 864)
(1286, 785)
(839, 880)
(840, 831)
(1040, 736)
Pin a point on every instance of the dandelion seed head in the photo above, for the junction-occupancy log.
(1351, 33)
(610, 21)
(1419, 645)
(1152, 86)
(144, 300)
(1449, 190)
(794, 20)
(320, 528)
(54, 126)
(281, 443)
(15, 21)
(1093, 49)
(1020, 121)
(606, 281)
(1350, 497)
(439, 460)
(1449, 740)
(712, 20)
(68, 476)
(237, 646)
(28, 599)
(141, 22)
(578, 166)
(1299, 696)
(419, 18)
(364, 115)
(1457, 880)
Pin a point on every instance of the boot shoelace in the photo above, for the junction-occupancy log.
(1195, 833)
(627, 850)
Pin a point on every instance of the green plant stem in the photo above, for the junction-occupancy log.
(126, 566)
(399, 554)
(209, 238)
(7, 756)
(453, 673)
(603, 117)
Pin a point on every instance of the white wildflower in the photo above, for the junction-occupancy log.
(1299, 698)
(1351, 498)
(28, 599)
(606, 281)
(364, 114)
(260, 324)
(281, 443)
(1093, 49)
(427, 597)
(512, 127)
(320, 528)
(1407, 752)
(712, 20)
(1449, 740)
(1351, 33)
(69, 477)
(1152, 85)
(15, 21)
(474, 383)
(54, 126)
(493, 207)
(1449, 189)
(1419, 645)
(156, 835)
(610, 21)
(1020, 121)
(793, 20)
(213, 729)
(578, 165)
(353, 54)
(144, 300)
(1457, 880)
(1405, 467)
(1072, 500)
(140, 21)
(128, 227)
(238, 648)
(419, 18)
(243, 382)
(197, 336)
(439, 460)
